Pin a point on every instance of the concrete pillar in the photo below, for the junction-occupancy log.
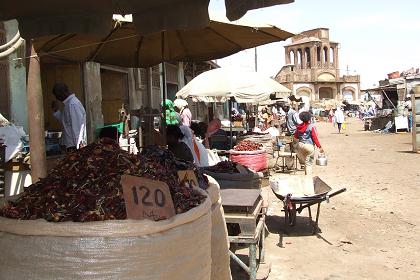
(93, 98)
(336, 62)
(313, 57)
(149, 93)
(181, 80)
(328, 56)
(17, 79)
(36, 119)
(287, 55)
(134, 96)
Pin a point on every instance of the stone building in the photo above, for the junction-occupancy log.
(312, 69)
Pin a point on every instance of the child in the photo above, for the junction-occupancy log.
(307, 136)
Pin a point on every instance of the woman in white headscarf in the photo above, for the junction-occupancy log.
(185, 113)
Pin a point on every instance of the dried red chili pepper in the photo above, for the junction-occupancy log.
(247, 145)
(85, 186)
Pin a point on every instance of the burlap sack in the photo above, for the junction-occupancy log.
(177, 248)
(220, 267)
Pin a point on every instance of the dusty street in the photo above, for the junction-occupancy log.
(369, 232)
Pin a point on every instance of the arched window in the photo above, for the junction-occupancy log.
(325, 55)
(332, 55)
(318, 54)
(299, 57)
(292, 57)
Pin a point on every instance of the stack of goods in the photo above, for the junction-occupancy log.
(224, 167)
(85, 186)
(237, 120)
(246, 145)
(251, 155)
(233, 175)
(265, 139)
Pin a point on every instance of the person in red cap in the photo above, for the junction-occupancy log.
(307, 136)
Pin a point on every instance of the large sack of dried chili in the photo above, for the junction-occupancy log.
(266, 140)
(220, 259)
(176, 248)
(73, 223)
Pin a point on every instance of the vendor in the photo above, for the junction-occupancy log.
(175, 145)
(171, 116)
(181, 107)
(72, 119)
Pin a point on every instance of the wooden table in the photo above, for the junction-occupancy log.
(245, 208)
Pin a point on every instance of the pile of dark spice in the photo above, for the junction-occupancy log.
(223, 167)
(85, 186)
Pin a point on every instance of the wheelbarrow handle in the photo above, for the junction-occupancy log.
(337, 192)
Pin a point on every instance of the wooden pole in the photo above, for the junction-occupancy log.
(36, 119)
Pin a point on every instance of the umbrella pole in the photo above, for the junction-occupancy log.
(230, 121)
(163, 125)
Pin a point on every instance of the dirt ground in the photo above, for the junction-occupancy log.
(369, 232)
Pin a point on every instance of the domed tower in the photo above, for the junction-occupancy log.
(312, 68)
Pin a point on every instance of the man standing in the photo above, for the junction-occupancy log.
(292, 119)
(72, 119)
(339, 118)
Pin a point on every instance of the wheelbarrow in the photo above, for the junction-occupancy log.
(296, 198)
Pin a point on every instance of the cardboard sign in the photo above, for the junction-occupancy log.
(188, 176)
(147, 199)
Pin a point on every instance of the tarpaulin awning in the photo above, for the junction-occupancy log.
(47, 17)
(123, 46)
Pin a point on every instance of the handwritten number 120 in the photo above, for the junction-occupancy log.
(159, 196)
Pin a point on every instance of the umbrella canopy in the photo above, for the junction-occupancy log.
(124, 47)
(220, 84)
(51, 17)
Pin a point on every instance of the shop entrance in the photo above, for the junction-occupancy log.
(326, 93)
(114, 93)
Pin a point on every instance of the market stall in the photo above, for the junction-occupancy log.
(232, 85)
(102, 212)
(101, 209)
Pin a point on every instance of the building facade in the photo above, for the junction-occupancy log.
(312, 69)
(102, 89)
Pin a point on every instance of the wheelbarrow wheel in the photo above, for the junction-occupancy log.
(290, 214)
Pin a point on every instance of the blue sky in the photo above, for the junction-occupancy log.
(376, 36)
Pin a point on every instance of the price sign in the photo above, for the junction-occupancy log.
(147, 199)
(188, 176)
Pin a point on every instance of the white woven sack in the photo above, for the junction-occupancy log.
(177, 248)
(220, 267)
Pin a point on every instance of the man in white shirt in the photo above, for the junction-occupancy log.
(72, 119)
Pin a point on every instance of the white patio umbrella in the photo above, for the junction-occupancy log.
(219, 85)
